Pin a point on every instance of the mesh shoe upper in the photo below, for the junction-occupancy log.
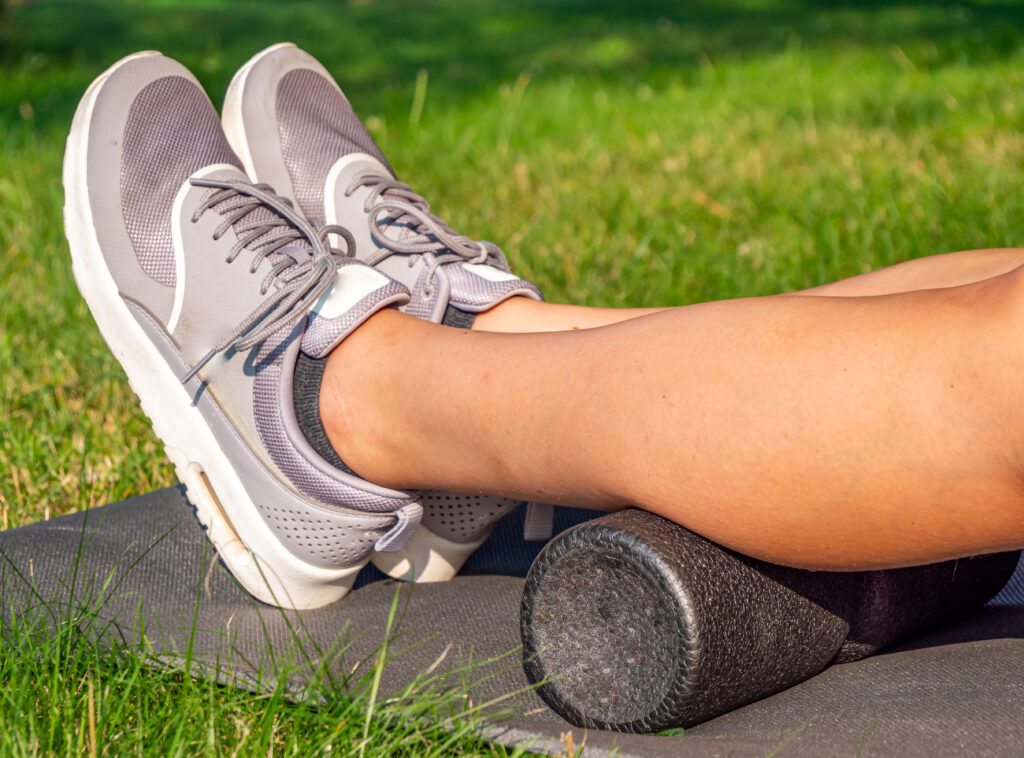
(292, 125)
(316, 126)
(294, 128)
(158, 126)
(203, 262)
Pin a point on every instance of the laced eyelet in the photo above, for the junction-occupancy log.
(302, 281)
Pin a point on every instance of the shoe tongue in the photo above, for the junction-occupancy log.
(258, 215)
(356, 293)
(224, 172)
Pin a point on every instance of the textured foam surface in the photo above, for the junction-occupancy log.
(956, 691)
(633, 623)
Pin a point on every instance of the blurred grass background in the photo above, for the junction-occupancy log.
(636, 153)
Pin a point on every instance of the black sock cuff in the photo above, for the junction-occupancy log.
(459, 319)
(309, 375)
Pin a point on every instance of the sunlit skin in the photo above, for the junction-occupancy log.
(873, 422)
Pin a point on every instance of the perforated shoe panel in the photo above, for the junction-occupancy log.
(321, 540)
(463, 518)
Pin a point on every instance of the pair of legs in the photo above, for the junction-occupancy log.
(868, 423)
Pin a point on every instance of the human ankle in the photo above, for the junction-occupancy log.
(517, 314)
(354, 405)
(521, 314)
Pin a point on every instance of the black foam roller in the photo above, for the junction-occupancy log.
(633, 623)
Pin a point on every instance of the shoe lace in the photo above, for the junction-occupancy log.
(393, 204)
(298, 284)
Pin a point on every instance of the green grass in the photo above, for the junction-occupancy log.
(61, 693)
(641, 153)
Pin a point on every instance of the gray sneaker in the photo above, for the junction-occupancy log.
(208, 288)
(293, 128)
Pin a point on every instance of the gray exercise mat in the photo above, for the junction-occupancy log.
(145, 564)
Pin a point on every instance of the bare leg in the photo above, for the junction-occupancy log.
(949, 270)
(821, 432)
(521, 315)
(933, 272)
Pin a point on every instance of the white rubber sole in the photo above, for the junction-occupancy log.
(426, 557)
(244, 541)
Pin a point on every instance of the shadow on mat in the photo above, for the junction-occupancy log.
(988, 623)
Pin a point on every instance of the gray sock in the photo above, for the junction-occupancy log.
(458, 319)
(309, 375)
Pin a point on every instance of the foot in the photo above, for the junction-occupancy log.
(293, 128)
(208, 289)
